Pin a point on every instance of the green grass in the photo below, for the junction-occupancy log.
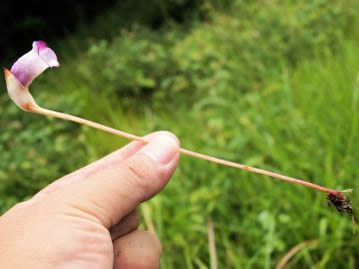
(303, 123)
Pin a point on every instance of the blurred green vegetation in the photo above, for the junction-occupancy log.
(273, 84)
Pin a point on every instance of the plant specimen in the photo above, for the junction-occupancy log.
(41, 57)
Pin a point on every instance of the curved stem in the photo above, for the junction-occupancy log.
(129, 136)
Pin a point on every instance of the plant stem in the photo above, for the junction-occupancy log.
(60, 115)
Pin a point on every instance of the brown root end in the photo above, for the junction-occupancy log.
(342, 205)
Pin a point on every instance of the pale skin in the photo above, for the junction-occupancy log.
(89, 219)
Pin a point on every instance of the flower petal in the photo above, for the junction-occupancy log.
(47, 54)
(18, 93)
(33, 63)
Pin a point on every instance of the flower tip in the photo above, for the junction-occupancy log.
(39, 44)
(7, 73)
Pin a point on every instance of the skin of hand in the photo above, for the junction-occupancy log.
(89, 219)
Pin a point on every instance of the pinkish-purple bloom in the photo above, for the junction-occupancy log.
(33, 63)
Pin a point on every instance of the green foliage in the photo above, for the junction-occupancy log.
(250, 42)
(272, 84)
(34, 150)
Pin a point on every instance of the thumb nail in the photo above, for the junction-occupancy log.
(162, 148)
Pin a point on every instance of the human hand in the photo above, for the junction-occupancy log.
(88, 219)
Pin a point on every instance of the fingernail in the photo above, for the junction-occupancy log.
(162, 148)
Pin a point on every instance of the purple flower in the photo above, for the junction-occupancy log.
(33, 63)
(25, 70)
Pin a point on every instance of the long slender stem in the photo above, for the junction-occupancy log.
(129, 136)
(259, 171)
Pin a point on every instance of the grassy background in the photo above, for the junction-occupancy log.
(266, 83)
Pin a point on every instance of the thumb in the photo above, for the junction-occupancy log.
(117, 185)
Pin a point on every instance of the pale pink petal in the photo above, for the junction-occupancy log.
(28, 67)
(47, 54)
(18, 93)
(33, 63)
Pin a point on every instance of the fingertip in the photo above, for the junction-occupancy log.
(135, 146)
(162, 147)
(165, 133)
(152, 166)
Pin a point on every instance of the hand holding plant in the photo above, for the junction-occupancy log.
(89, 219)
(41, 57)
